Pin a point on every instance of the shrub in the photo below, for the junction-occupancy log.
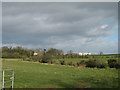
(70, 63)
(91, 63)
(101, 64)
(83, 62)
(35, 58)
(78, 63)
(75, 64)
(52, 62)
(96, 63)
(57, 62)
(63, 63)
(113, 63)
(46, 58)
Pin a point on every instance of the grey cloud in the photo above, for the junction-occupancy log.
(57, 25)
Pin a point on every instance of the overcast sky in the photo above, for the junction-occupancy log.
(81, 27)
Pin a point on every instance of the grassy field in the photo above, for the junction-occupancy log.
(74, 60)
(37, 75)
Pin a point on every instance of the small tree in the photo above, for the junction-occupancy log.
(46, 58)
(70, 53)
(101, 53)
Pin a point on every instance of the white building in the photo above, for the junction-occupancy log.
(89, 53)
(35, 54)
(82, 54)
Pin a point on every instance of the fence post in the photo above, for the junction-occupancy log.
(12, 79)
(3, 74)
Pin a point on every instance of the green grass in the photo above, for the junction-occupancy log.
(77, 60)
(37, 75)
(72, 59)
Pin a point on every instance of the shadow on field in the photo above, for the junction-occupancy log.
(61, 84)
(99, 82)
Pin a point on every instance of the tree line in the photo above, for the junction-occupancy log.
(52, 54)
(16, 52)
(20, 52)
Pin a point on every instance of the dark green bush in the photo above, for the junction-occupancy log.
(35, 58)
(46, 58)
(83, 62)
(78, 63)
(101, 64)
(91, 63)
(96, 63)
(52, 62)
(113, 63)
(63, 63)
(75, 64)
(70, 63)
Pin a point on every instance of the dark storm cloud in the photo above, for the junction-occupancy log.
(58, 25)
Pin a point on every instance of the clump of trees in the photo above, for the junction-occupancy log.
(46, 58)
(52, 54)
(16, 52)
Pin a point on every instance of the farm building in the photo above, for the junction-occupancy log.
(81, 54)
(35, 54)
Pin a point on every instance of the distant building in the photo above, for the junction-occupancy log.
(82, 54)
(35, 54)
(89, 53)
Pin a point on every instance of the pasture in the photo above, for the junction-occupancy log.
(38, 75)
